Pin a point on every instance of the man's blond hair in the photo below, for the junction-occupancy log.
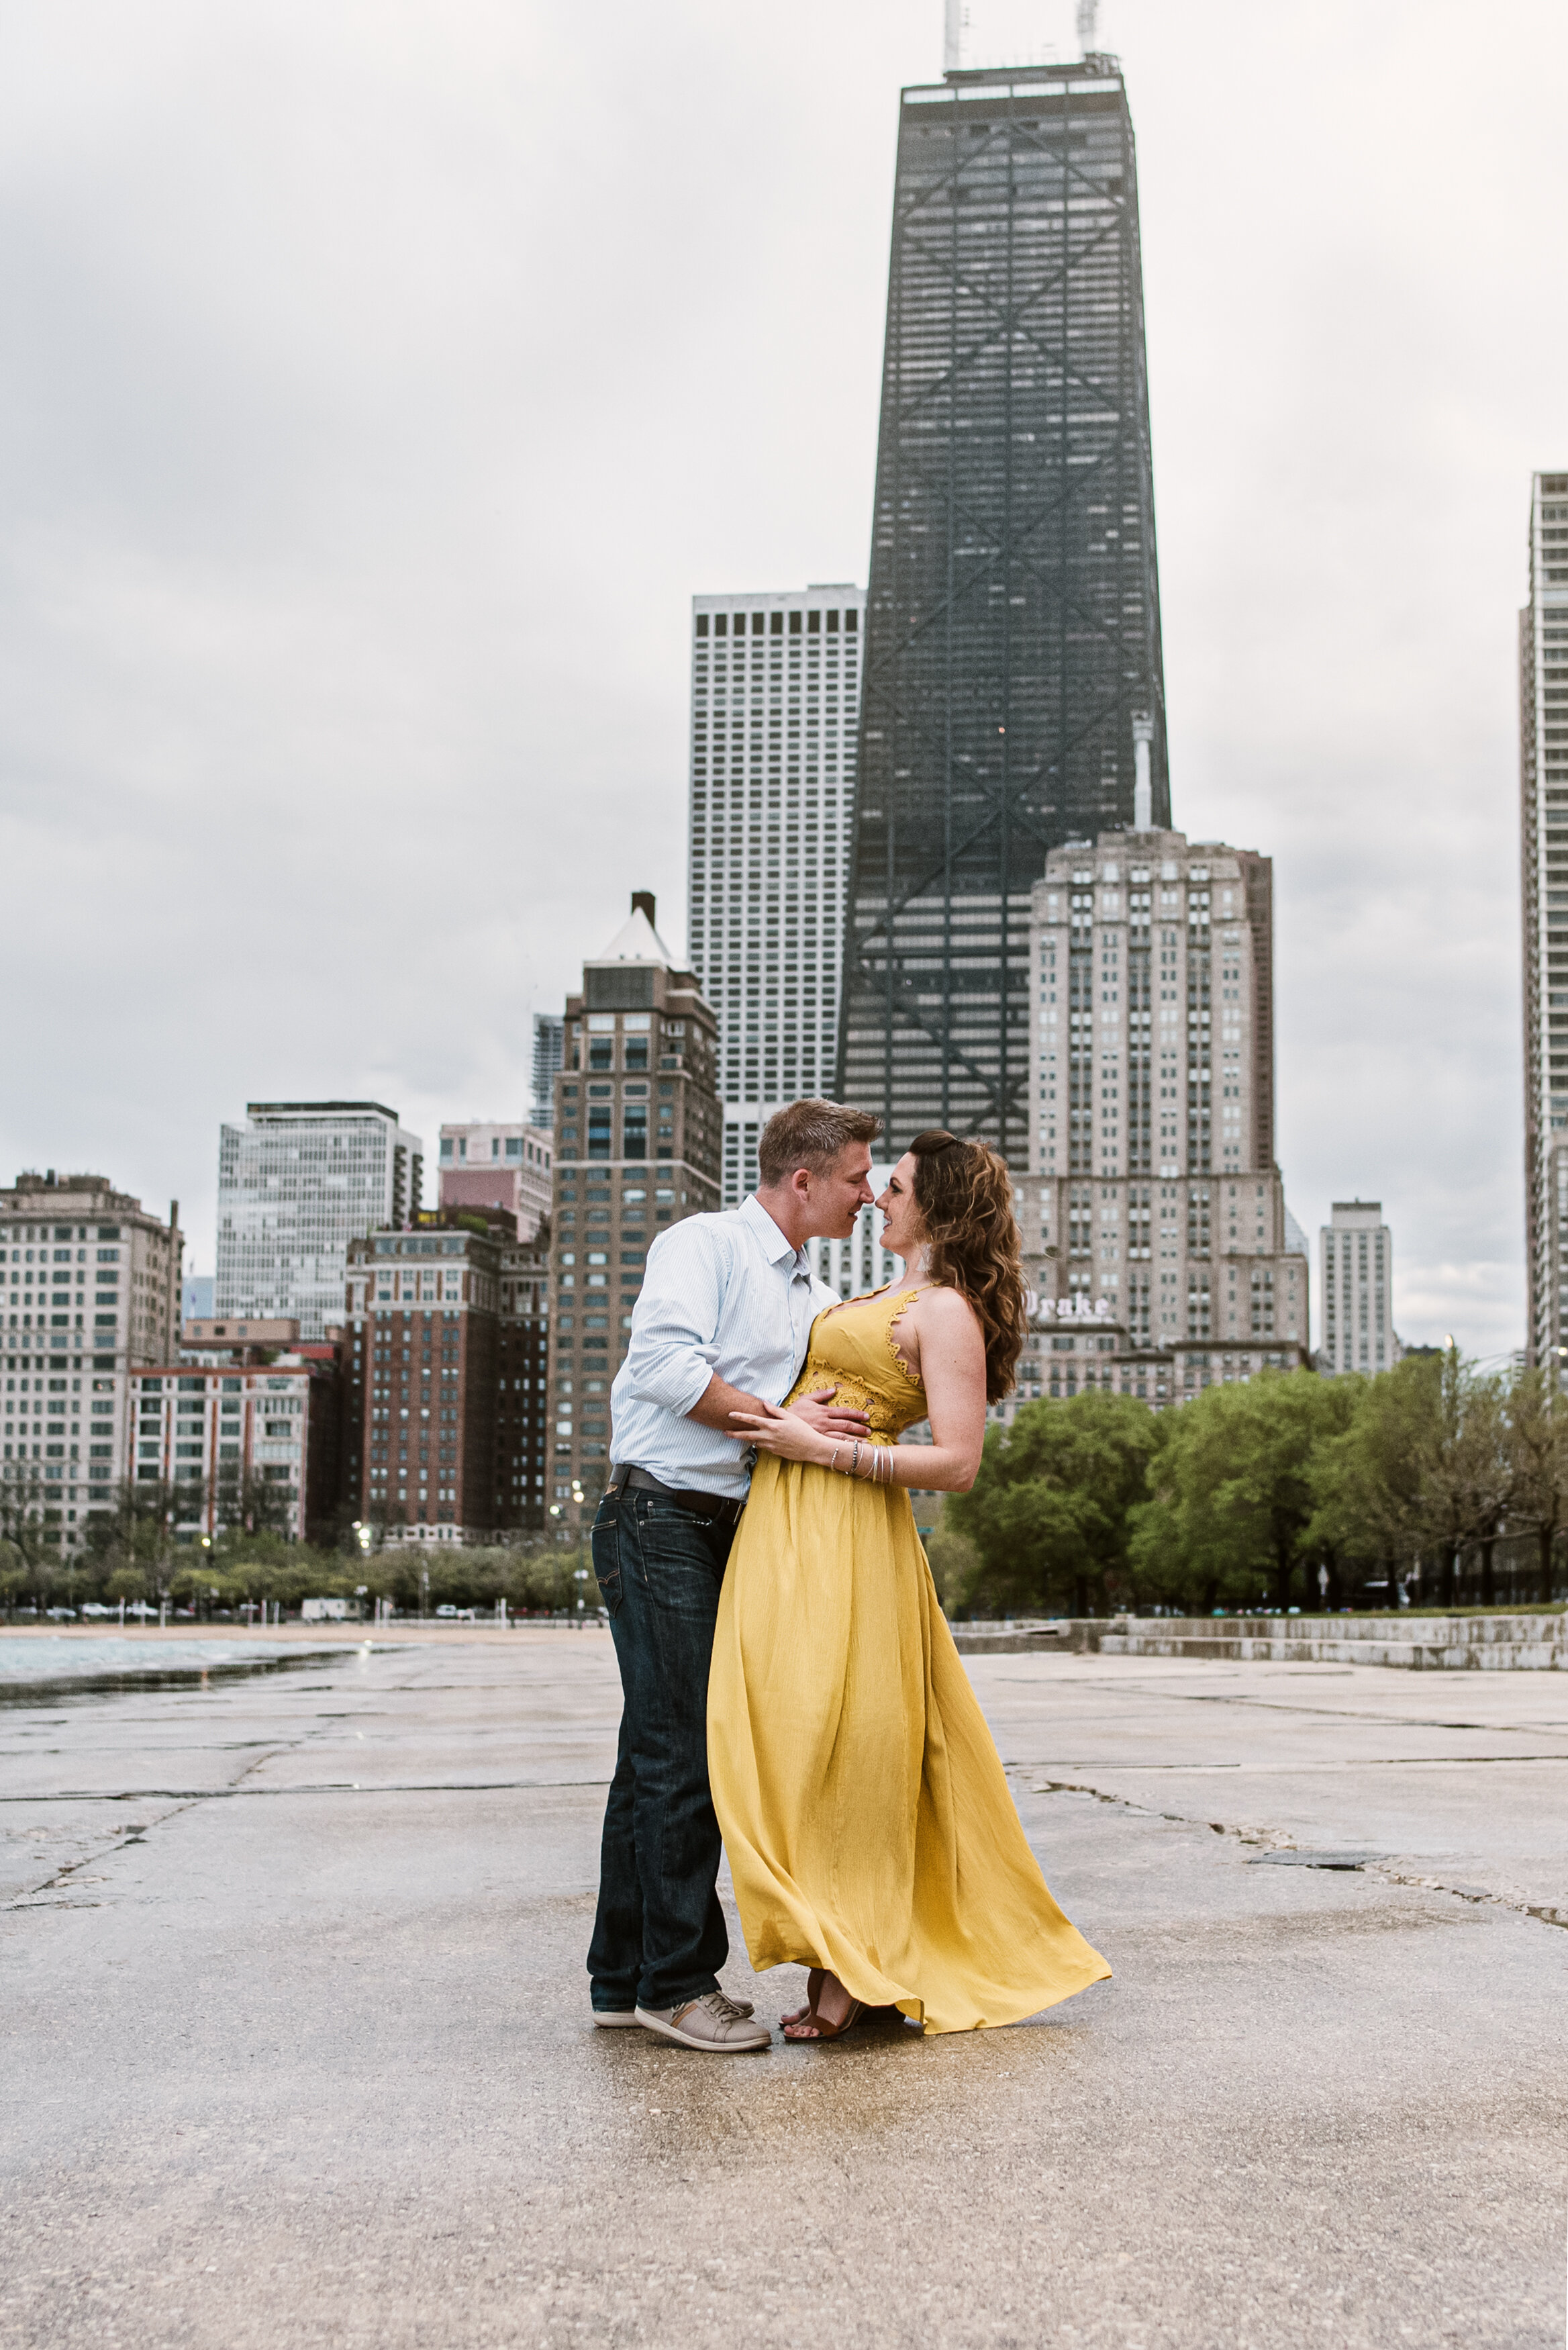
(810, 1134)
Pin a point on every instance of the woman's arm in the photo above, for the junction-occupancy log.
(951, 1360)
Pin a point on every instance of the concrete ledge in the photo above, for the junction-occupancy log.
(1416, 1644)
(1014, 1640)
(1422, 1644)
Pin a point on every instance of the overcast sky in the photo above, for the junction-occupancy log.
(380, 381)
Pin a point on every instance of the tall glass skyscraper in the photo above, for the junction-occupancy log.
(1012, 615)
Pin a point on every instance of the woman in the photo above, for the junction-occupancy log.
(869, 1827)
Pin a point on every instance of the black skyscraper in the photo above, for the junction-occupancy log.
(1014, 614)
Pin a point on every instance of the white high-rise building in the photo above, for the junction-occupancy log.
(296, 1183)
(1543, 842)
(775, 706)
(1355, 1263)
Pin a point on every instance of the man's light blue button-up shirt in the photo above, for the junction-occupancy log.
(724, 1296)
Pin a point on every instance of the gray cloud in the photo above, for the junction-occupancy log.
(379, 383)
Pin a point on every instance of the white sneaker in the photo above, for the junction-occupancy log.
(724, 2027)
(614, 2019)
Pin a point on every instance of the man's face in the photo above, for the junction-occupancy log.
(835, 1197)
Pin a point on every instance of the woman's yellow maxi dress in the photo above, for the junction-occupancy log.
(868, 1820)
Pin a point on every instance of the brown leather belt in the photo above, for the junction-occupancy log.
(702, 1505)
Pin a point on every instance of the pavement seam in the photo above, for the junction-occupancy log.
(37, 1896)
(1544, 1914)
(311, 1787)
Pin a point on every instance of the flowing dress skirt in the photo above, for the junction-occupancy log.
(866, 1817)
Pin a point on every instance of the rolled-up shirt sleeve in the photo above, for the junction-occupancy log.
(671, 1358)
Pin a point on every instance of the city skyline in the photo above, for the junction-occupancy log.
(243, 688)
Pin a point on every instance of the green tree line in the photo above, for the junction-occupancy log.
(130, 1554)
(1283, 1491)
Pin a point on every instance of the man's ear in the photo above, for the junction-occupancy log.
(800, 1183)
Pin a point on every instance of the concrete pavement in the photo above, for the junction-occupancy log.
(295, 2045)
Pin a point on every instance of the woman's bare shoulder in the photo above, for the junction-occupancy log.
(945, 1310)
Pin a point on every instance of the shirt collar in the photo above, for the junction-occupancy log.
(774, 1245)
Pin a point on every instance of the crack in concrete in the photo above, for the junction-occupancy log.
(1544, 1913)
(37, 1896)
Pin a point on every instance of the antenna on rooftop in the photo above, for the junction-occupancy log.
(1088, 10)
(953, 36)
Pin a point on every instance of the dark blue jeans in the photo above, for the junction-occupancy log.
(658, 1935)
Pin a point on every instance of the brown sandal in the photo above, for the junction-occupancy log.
(823, 2028)
(812, 1993)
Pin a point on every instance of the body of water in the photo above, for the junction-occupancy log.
(62, 1665)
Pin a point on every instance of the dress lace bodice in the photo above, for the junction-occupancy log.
(855, 1347)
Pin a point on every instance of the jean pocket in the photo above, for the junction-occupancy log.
(606, 1555)
(680, 1563)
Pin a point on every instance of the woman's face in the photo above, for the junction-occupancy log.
(903, 1227)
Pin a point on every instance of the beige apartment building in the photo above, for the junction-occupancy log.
(89, 1291)
(1155, 1226)
(638, 1127)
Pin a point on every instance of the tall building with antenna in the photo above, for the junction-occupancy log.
(1013, 682)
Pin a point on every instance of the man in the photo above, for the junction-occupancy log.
(720, 1327)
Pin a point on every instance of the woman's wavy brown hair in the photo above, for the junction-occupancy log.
(964, 1194)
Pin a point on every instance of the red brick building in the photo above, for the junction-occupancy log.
(421, 1361)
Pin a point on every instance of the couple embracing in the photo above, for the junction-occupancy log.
(790, 1685)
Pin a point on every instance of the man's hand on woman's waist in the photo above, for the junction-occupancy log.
(716, 1407)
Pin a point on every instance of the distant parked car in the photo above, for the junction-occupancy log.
(61, 1614)
(445, 1610)
(96, 1608)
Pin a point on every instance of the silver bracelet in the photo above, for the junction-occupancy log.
(837, 1451)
